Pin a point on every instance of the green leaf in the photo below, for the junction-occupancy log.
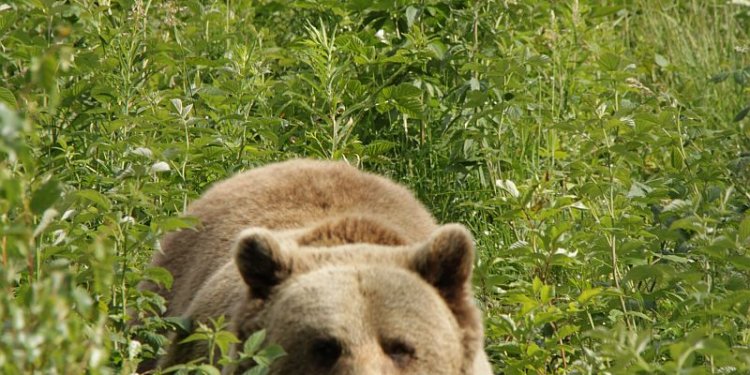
(740, 261)
(177, 104)
(740, 77)
(610, 61)
(209, 370)
(744, 229)
(45, 196)
(181, 322)
(159, 275)
(689, 223)
(406, 97)
(648, 271)
(257, 370)
(661, 60)
(253, 343)
(545, 294)
(536, 285)
(741, 114)
(714, 347)
(438, 49)
(411, 15)
(588, 294)
(602, 11)
(7, 19)
(567, 330)
(527, 303)
(224, 339)
(45, 74)
(95, 197)
(198, 336)
(269, 354)
(172, 223)
(7, 97)
(719, 77)
(640, 315)
(675, 258)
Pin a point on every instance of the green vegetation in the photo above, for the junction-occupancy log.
(600, 154)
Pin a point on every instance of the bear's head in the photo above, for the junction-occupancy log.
(362, 308)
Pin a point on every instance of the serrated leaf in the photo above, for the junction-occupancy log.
(253, 343)
(7, 97)
(609, 61)
(169, 224)
(407, 98)
(269, 354)
(378, 147)
(588, 294)
(159, 275)
(6, 20)
(153, 338)
(225, 338)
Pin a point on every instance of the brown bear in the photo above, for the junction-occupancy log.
(345, 270)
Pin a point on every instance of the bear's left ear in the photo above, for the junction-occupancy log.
(262, 262)
(446, 262)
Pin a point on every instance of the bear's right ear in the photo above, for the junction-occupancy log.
(446, 262)
(261, 261)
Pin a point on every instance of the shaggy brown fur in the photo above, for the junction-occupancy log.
(344, 269)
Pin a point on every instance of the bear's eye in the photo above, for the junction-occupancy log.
(326, 351)
(400, 352)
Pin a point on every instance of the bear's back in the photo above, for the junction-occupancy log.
(284, 196)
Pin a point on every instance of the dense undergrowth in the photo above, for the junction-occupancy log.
(600, 154)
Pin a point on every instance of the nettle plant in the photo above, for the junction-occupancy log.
(598, 152)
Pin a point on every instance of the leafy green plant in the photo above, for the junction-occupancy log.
(219, 342)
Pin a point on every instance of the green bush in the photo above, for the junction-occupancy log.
(598, 152)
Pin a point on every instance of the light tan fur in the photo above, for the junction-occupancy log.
(346, 270)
